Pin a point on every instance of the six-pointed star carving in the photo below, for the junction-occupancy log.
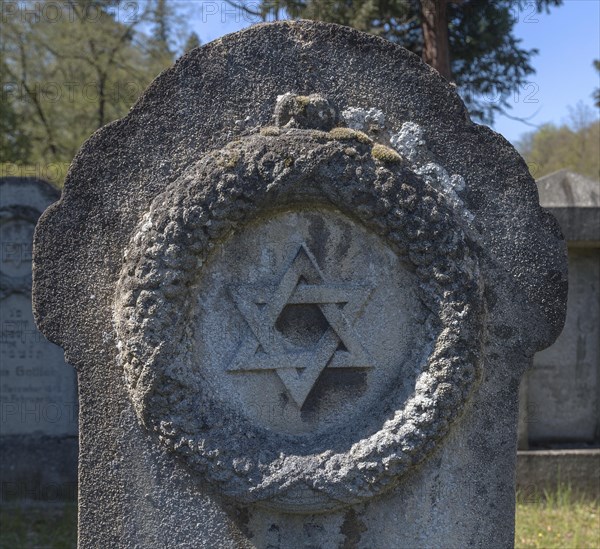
(264, 348)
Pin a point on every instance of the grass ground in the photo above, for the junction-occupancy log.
(48, 527)
(555, 521)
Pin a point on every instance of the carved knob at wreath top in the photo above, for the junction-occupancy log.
(305, 111)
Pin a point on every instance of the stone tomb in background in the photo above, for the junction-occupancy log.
(560, 398)
(560, 394)
(303, 303)
(564, 384)
(38, 397)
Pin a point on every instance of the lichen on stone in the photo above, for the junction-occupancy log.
(318, 134)
(305, 111)
(361, 119)
(410, 143)
(303, 100)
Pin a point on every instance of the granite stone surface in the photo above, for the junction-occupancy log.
(300, 288)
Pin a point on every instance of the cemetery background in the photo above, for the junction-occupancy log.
(581, 154)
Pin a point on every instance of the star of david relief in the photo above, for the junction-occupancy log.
(267, 348)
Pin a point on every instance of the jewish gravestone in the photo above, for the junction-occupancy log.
(300, 287)
(38, 400)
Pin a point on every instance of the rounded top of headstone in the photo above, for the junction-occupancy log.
(566, 189)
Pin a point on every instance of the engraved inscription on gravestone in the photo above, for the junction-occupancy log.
(16, 234)
(37, 388)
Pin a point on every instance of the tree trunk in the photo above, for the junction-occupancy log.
(434, 24)
(101, 99)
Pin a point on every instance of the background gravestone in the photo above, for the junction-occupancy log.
(564, 383)
(560, 395)
(38, 399)
(300, 287)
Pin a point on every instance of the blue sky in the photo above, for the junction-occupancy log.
(568, 39)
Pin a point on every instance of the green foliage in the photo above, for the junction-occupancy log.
(193, 41)
(14, 141)
(487, 62)
(572, 146)
(53, 172)
(67, 73)
(166, 25)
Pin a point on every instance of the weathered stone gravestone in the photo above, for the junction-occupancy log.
(38, 399)
(564, 383)
(300, 287)
(560, 394)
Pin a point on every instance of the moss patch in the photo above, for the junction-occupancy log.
(318, 134)
(270, 131)
(228, 159)
(385, 154)
(303, 101)
(346, 134)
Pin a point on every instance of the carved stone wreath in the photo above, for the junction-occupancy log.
(286, 169)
